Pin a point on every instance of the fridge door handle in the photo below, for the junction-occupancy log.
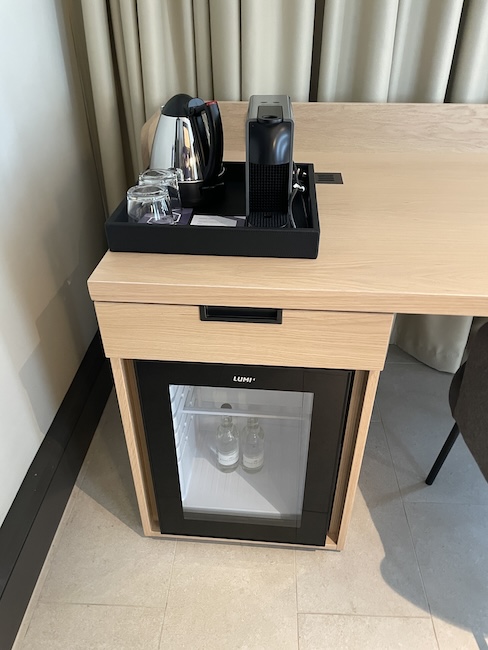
(241, 314)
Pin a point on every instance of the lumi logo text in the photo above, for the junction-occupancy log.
(242, 380)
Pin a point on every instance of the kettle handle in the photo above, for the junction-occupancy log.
(216, 144)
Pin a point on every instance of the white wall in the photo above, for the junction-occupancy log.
(51, 230)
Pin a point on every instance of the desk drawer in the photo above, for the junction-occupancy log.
(309, 339)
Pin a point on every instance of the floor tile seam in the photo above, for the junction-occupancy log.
(296, 597)
(385, 431)
(77, 603)
(65, 520)
(257, 566)
(446, 503)
(298, 630)
(384, 427)
(356, 615)
(417, 559)
(435, 632)
(170, 582)
(19, 640)
(89, 457)
(80, 479)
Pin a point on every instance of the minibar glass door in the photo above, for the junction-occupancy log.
(243, 452)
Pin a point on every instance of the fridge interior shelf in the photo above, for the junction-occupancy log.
(203, 402)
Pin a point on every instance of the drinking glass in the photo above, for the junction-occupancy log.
(168, 178)
(149, 204)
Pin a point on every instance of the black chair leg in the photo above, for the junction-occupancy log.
(451, 439)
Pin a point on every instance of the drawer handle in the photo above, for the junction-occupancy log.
(241, 314)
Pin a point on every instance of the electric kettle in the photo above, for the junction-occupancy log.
(189, 137)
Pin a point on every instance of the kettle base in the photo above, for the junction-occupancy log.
(197, 193)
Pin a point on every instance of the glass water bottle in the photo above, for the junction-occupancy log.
(227, 443)
(252, 446)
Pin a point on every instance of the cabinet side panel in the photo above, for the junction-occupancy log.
(362, 402)
(128, 398)
(350, 437)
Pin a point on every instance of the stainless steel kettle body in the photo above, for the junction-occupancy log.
(189, 137)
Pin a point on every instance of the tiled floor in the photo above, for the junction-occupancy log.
(414, 573)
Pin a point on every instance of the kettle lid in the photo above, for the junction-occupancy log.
(178, 106)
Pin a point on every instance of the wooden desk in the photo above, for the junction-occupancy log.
(406, 233)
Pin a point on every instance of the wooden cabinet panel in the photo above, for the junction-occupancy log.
(310, 339)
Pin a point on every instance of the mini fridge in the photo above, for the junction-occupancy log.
(244, 452)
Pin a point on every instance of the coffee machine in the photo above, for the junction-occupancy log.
(269, 161)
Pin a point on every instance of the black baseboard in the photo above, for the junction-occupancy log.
(31, 523)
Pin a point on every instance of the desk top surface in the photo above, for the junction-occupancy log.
(407, 232)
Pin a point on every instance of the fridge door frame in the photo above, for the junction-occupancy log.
(330, 387)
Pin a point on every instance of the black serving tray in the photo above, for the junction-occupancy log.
(302, 241)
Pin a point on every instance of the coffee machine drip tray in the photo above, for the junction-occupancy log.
(265, 234)
(268, 220)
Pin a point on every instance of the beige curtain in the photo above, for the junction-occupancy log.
(388, 50)
(141, 52)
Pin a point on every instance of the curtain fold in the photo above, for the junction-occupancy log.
(438, 341)
(276, 47)
(470, 78)
(141, 52)
(425, 39)
(126, 42)
(167, 50)
(105, 100)
(225, 38)
(203, 49)
(357, 50)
